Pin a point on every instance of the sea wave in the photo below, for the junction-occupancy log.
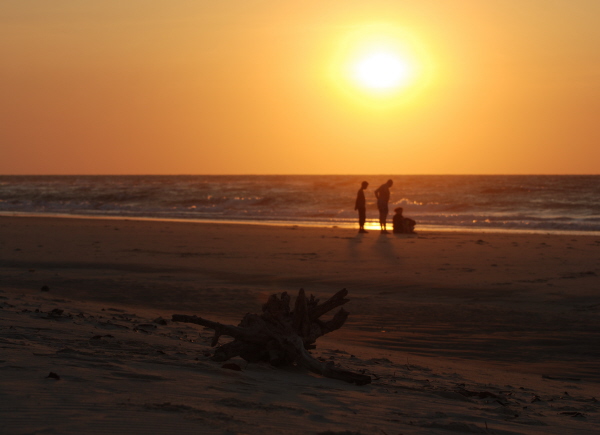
(550, 203)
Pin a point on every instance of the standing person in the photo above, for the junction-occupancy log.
(361, 206)
(383, 197)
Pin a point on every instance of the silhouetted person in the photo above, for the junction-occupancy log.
(403, 225)
(383, 197)
(361, 206)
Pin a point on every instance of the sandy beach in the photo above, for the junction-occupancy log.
(461, 332)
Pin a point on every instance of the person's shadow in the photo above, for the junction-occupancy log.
(385, 249)
(353, 245)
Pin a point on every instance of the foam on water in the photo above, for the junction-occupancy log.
(544, 203)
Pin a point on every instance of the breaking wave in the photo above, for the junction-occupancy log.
(550, 203)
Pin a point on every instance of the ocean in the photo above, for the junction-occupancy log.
(534, 203)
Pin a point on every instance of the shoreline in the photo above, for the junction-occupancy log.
(372, 224)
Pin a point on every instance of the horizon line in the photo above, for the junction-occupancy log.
(295, 175)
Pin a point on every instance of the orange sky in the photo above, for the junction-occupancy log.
(254, 87)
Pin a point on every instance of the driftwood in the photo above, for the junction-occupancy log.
(282, 336)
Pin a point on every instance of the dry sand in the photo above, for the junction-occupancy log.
(461, 332)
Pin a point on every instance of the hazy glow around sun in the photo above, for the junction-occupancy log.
(380, 70)
(380, 65)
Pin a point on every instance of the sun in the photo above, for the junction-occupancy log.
(381, 70)
(380, 65)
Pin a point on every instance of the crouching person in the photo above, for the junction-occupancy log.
(403, 225)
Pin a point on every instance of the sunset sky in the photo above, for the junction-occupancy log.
(273, 87)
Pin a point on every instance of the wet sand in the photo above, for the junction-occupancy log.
(463, 332)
